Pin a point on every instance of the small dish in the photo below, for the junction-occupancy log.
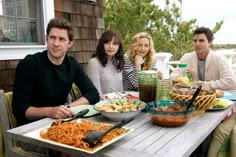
(220, 104)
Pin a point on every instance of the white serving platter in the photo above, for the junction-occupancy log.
(36, 135)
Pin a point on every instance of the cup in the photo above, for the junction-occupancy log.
(147, 81)
(164, 87)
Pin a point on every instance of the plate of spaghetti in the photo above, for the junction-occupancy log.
(70, 134)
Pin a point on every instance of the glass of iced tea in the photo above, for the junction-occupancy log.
(147, 81)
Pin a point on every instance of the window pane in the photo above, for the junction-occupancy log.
(26, 31)
(18, 22)
(8, 7)
(26, 8)
(7, 29)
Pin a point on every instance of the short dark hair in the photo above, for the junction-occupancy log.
(61, 24)
(206, 31)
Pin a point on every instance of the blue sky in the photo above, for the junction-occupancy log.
(208, 12)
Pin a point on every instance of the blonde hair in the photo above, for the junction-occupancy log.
(133, 48)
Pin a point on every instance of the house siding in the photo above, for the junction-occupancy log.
(88, 23)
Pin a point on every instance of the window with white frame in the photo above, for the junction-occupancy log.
(23, 26)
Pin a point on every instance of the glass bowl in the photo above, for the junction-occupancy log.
(118, 109)
(169, 112)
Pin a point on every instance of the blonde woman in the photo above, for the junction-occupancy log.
(139, 56)
(141, 51)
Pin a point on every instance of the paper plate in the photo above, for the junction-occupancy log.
(92, 111)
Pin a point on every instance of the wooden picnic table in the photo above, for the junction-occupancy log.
(146, 140)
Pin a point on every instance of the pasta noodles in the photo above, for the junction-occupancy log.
(71, 133)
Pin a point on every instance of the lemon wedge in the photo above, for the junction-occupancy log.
(221, 103)
(184, 80)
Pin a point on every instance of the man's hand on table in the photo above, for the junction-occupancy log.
(59, 112)
(36, 113)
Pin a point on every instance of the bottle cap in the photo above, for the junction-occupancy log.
(182, 65)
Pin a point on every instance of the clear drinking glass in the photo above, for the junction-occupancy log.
(164, 88)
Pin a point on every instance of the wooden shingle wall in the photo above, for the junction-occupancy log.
(87, 20)
(7, 74)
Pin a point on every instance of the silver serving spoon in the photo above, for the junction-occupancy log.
(95, 137)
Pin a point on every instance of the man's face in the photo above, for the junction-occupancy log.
(201, 46)
(58, 43)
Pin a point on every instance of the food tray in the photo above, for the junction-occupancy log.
(36, 135)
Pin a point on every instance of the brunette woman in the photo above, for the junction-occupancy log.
(105, 68)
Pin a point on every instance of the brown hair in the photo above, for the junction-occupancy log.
(100, 51)
(61, 24)
(206, 31)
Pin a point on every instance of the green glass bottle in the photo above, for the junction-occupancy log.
(187, 73)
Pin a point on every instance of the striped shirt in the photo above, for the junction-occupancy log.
(130, 76)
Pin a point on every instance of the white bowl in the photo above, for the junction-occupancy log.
(119, 114)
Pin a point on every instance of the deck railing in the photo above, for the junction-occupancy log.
(168, 66)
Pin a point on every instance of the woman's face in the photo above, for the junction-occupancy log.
(111, 48)
(143, 47)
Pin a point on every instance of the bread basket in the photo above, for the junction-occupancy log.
(202, 102)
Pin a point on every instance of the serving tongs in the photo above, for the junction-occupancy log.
(194, 97)
(95, 137)
(122, 96)
(80, 114)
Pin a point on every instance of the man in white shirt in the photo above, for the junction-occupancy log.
(205, 65)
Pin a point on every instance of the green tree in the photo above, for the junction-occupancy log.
(169, 32)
